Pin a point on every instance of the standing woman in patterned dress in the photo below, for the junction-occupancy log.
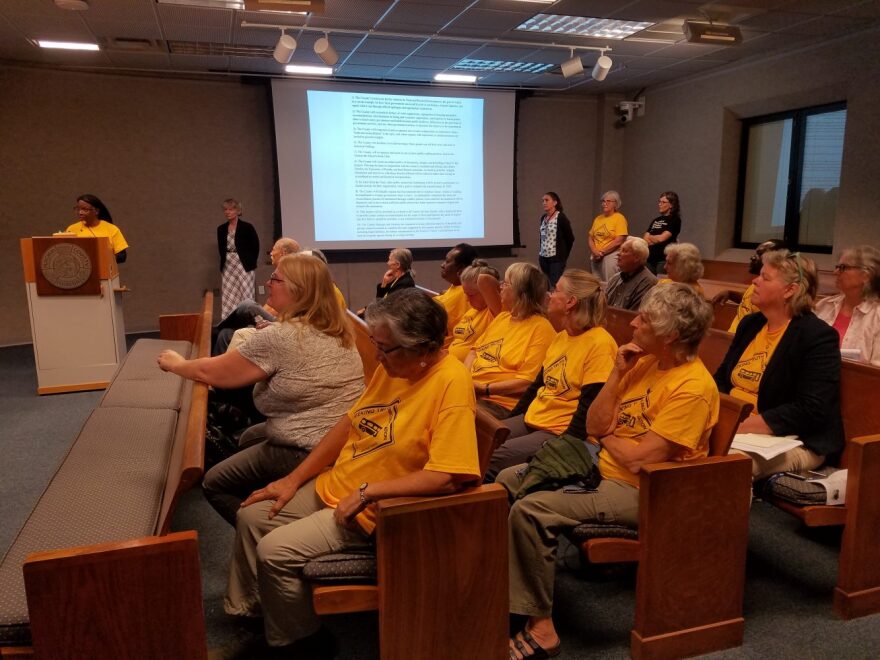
(239, 248)
(556, 238)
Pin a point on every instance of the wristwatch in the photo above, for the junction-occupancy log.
(362, 491)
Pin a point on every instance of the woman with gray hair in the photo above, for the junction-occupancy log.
(607, 234)
(855, 311)
(411, 433)
(683, 264)
(480, 315)
(658, 404)
(399, 274)
(786, 361)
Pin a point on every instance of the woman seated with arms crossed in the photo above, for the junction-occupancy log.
(855, 311)
(307, 373)
(684, 265)
(658, 404)
(575, 367)
(508, 355)
(411, 433)
(479, 316)
(786, 362)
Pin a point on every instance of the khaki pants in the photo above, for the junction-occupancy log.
(537, 520)
(268, 556)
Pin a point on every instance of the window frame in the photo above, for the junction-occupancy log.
(791, 228)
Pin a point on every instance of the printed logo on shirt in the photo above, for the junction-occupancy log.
(465, 328)
(375, 426)
(602, 233)
(747, 373)
(633, 414)
(488, 355)
(555, 381)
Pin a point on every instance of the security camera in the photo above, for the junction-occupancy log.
(628, 110)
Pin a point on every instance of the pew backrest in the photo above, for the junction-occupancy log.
(363, 344)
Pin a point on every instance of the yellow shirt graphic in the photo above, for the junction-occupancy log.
(680, 404)
(511, 349)
(398, 428)
(455, 303)
(468, 330)
(105, 229)
(746, 375)
(606, 229)
(570, 363)
(745, 308)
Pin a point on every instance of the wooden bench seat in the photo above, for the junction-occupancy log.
(93, 572)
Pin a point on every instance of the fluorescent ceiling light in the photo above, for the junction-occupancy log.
(67, 45)
(224, 4)
(501, 66)
(455, 77)
(584, 26)
(311, 70)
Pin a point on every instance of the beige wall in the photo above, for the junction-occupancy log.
(163, 154)
(689, 140)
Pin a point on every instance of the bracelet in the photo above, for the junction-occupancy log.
(487, 389)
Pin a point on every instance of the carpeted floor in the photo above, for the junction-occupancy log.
(791, 571)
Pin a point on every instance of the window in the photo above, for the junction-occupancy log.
(790, 177)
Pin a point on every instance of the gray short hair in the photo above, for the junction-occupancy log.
(639, 246)
(287, 245)
(688, 262)
(404, 257)
(314, 252)
(477, 268)
(677, 309)
(866, 257)
(613, 194)
(415, 321)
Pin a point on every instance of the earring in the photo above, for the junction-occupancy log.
(423, 364)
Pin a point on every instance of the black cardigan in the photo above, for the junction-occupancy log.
(405, 281)
(247, 244)
(799, 392)
(564, 238)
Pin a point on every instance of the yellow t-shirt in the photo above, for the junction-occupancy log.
(511, 349)
(680, 404)
(399, 427)
(695, 286)
(106, 229)
(455, 303)
(606, 229)
(339, 297)
(746, 375)
(745, 308)
(570, 363)
(468, 330)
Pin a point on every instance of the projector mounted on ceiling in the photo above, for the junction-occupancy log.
(712, 33)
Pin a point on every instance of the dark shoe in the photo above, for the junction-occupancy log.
(535, 650)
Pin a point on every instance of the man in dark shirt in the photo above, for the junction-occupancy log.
(627, 287)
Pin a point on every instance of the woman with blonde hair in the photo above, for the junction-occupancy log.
(855, 311)
(508, 355)
(479, 316)
(575, 367)
(684, 265)
(786, 361)
(239, 248)
(306, 373)
(606, 235)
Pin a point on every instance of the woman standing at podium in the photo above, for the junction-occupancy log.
(239, 248)
(95, 220)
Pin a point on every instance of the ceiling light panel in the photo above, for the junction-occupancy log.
(583, 26)
(455, 78)
(67, 45)
(309, 70)
(500, 66)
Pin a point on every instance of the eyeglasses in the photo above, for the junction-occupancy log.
(663, 201)
(275, 279)
(797, 259)
(607, 201)
(842, 268)
(385, 351)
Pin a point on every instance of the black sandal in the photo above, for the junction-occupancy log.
(538, 652)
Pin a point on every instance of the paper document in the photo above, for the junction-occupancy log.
(765, 446)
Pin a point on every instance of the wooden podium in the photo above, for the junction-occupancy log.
(75, 311)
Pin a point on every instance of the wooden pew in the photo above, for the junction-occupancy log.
(364, 345)
(691, 549)
(441, 567)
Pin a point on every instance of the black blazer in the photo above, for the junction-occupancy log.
(799, 393)
(247, 244)
(564, 238)
(405, 281)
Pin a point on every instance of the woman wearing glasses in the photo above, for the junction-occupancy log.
(411, 433)
(305, 370)
(786, 362)
(855, 311)
(95, 220)
(607, 234)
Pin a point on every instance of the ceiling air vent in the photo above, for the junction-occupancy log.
(203, 48)
(712, 33)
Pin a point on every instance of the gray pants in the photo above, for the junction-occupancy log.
(519, 447)
(537, 520)
(606, 267)
(227, 484)
(268, 558)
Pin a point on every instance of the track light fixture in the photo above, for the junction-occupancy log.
(573, 66)
(284, 48)
(602, 67)
(325, 50)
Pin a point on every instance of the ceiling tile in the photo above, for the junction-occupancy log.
(654, 11)
(124, 29)
(419, 16)
(199, 62)
(389, 45)
(139, 60)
